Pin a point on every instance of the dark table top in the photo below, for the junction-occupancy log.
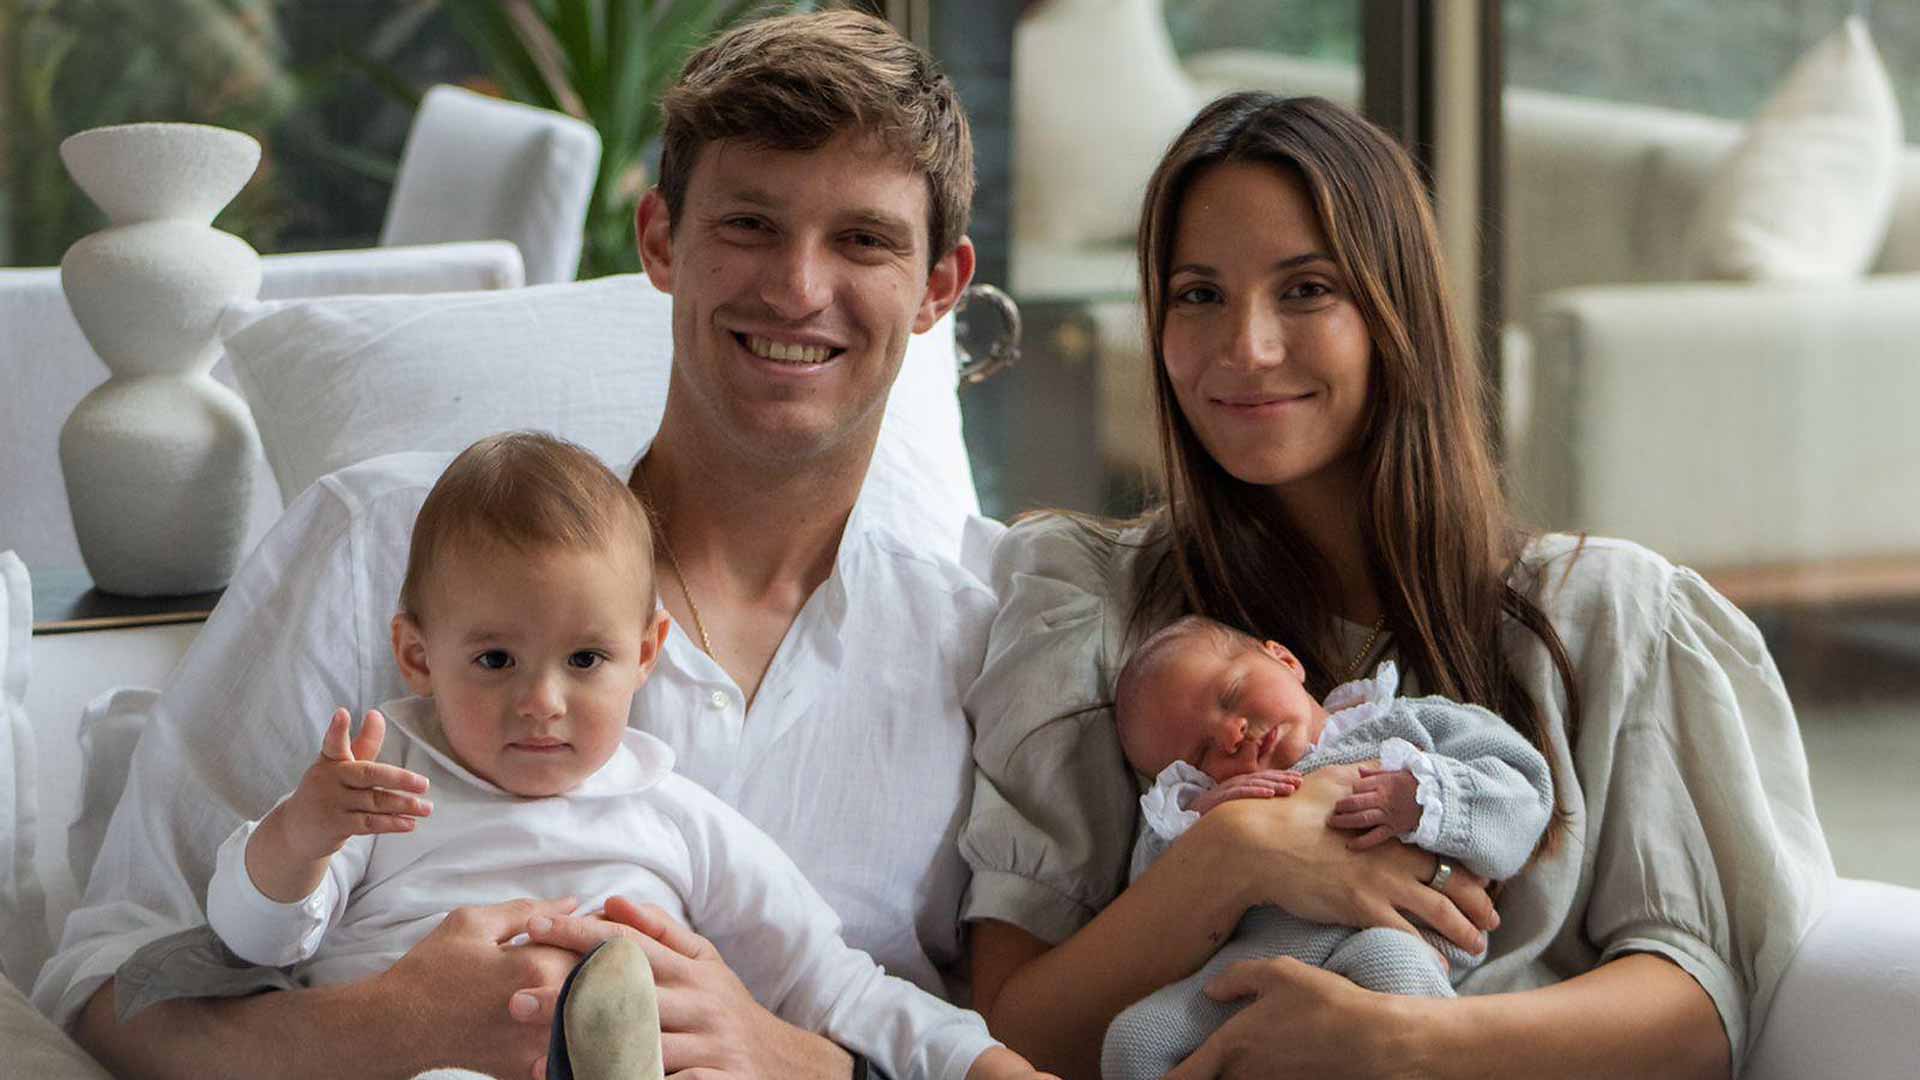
(65, 601)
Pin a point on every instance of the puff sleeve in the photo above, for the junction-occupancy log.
(1707, 850)
(1054, 803)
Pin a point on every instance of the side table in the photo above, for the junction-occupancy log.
(65, 601)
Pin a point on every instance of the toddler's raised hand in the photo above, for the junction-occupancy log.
(347, 793)
(1264, 784)
(1382, 802)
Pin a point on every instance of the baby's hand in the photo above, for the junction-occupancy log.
(1265, 784)
(1381, 802)
(347, 793)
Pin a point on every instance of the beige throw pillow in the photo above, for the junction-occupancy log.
(1808, 191)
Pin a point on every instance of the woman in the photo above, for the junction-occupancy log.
(1325, 444)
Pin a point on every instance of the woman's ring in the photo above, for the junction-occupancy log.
(1441, 875)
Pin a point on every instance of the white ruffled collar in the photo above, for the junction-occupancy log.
(1354, 703)
(640, 762)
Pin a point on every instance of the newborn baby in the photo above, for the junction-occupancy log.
(1211, 714)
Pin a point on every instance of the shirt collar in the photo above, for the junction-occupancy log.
(640, 761)
(835, 594)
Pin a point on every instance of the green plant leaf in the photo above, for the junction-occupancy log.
(629, 29)
(486, 24)
(576, 27)
(312, 139)
(618, 58)
(384, 76)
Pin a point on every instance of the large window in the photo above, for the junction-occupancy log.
(1738, 404)
(328, 89)
(1686, 54)
(1098, 91)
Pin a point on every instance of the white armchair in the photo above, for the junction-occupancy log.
(478, 168)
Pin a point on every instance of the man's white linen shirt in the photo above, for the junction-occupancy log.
(855, 756)
(635, 829)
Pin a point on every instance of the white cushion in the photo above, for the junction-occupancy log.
(22, 904)
(109, 732)
(1809, 190)
(84, 737)
(450, 267)
(1846, 1004)
(338, 380)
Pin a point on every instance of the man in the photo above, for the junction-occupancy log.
(815, 183)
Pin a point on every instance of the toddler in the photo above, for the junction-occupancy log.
(1210, 714)
(528, 620)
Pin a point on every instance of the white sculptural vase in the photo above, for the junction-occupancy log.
(159, 459)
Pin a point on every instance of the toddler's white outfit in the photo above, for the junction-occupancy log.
(1485, 796)
(634, 828)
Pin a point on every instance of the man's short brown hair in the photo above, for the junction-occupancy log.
(528, 491)
(797, 81)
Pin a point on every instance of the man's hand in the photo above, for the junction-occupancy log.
(1265, 784)
(450, 993)
(345, 793)
(708, 1019)
(1384, 803)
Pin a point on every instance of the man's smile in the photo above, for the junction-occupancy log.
(787, 352)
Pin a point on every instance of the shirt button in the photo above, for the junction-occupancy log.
(718, 699)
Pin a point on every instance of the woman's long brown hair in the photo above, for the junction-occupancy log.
(1440, 543)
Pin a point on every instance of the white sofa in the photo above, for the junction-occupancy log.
(1727, 424)
(1724, 424)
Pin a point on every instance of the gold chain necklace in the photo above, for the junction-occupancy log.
(1353, 668)
(660, 530)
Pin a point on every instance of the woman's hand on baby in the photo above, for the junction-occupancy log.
(1300, 1020)
(1383, 802)
(347, 793)
(1293, 860)
(1265, 784)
